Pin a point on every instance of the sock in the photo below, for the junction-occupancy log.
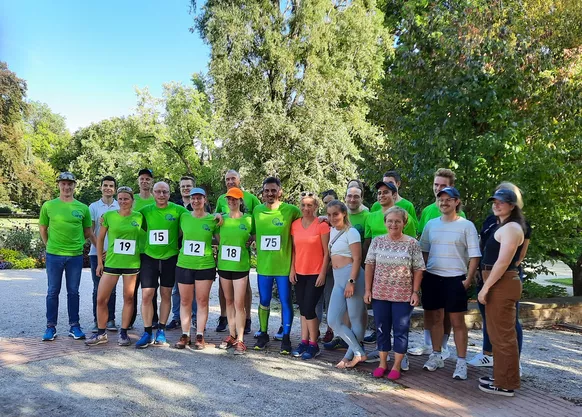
(123, 331)
(445, 340)
(162, 326)
(305, 341)
(427, 338)
(312, 343)
(100, 332)
(461, 360)
(199, 333)
(264, 313)
(148, 330)
(186, 333)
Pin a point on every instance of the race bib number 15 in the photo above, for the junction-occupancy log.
(159, 237)
(270, 242)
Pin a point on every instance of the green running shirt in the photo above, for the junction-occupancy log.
(358, 222)
(233, 253)
(66, 222)
(197, 233)
(431, 212)
(162, 228)
(375, 226)
(250, 200)
(122, 233)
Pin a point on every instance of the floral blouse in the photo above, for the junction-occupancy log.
(395, 263)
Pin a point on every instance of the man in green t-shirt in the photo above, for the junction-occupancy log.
(356, 214)
(232, 179)
(64, 225)
(273, 238)
(158, 262)
(395, 178)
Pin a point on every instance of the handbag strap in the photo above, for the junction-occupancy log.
(335, 239)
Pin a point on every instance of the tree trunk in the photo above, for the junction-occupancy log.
(577, 276)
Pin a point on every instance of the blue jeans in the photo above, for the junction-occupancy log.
(392, 317)
(96, 279)
(72, 267)
(176, 304)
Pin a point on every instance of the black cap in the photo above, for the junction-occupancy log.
(507, 196)
(146, 171)
(450, 191)
(390, 186)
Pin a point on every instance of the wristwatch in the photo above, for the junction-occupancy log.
(352, 281)
(416, 292)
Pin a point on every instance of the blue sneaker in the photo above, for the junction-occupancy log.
(301, 347)
(49, 334)
(160, 338)
(145, 340)
(311, 352)
(76, 333)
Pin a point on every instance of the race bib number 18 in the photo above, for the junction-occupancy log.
(230, 253)
(159, 237)
(124, 247)
(194, 248)
(270, 242)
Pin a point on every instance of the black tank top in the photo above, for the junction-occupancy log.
(491, 253)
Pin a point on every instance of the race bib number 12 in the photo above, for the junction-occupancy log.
(270, 242)
(194, 248)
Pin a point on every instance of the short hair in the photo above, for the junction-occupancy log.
(272, 180)
(232, 171)
(109, 178)
(399, 210)
(393, 174)
(446, 173)
(359, 185)
(188, 178)
(329, 192)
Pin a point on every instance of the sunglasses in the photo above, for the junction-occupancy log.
(124, 189)
(307, 194)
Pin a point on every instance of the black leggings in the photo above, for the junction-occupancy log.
(135, 306)
(307, 295)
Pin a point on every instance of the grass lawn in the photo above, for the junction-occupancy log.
(9, 222)
(563, 281)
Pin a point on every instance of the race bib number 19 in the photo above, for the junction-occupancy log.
(230, 253)
(124, 247)
(270, 242)
(159, 237)
(194, 248)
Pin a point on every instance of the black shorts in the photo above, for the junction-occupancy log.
(444, 292)
(188, 276)
(232, 275)
(156, 272)
(120, 271)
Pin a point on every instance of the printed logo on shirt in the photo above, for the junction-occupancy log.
(77, 214)
(243, 227)
(206, 227)
(170, 218)
(277, 222)
(134, 224)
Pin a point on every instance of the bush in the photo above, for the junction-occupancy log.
(5, 210)
(534, 290)
(25, 241)
(12, 259)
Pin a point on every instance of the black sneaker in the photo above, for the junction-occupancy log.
(371, 339)
(174, 324)
(279, 334)
(155, 325)
(247, 326)
(486, 380)
(491, 389)
(336, 343)
(222, 323)
(285, 345)
(262, 341)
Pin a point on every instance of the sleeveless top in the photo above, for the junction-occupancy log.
(491, 252)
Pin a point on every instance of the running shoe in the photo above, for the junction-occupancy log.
(200, 342)
(486, 380)
(335, 343)
(145, 340)
(434, 362)
(257, 334)
(76, 333)
(222, 323)
(247, 326)
(370, 339)
(174, 324)
(460, 370)
(279, 334)
(405, 364)
(374, 356)
(160, 338)
(311, 352)
(298, 351)
(227, 343)
(183, 342)
(262, 341)
(96, 339)
(481, 360)
(420, 350)
(240, 348)
(286, 347)
(95, 328)
(328, 336)
(111, 326)
(123, 340)
(445, 353)
(492, 389)
(49, 334)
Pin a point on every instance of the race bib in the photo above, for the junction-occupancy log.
(124, 247)
(159, 237)
(194, 248)
(230, 253)
(270, 242)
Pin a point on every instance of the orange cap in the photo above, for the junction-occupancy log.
(235, 193)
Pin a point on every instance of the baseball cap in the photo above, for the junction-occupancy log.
(507, 196)
(146, 171)
(390, 186)
(235, 192)
(450, 191)
(66, 176)
(198, 191)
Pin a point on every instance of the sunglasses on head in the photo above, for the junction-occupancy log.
(307, 194)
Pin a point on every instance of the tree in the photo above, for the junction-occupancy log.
(290, 83)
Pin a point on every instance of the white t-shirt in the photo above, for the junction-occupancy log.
(450, 245)
(98, 209)
(342, 245)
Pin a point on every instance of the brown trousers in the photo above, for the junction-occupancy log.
(500, 313)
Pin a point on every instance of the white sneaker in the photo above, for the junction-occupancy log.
(460, 370)
(420, 350)
(404, 365)
(445, 353)
(481, 360)
(434, 362)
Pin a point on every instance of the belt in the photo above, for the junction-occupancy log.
(490, 267)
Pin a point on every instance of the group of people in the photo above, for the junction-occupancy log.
(338, 256)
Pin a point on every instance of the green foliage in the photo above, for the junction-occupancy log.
(5, 210)
(535, 290)
(563, 281)
(17, 260)
(26, 243)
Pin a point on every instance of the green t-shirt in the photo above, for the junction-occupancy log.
(431, 212)
(66, 222)
(122, 233)
(273, 229)
(375, 226)
(197, 233)
(250, 200)
(162, 228)
(233, 253)
(138, 204)
(358, 222)
(404, 203)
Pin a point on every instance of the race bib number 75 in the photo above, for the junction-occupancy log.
(270, 242)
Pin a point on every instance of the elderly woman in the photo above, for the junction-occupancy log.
(501, 291)
(394, 268)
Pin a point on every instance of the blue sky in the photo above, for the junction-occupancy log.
(84, 59)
